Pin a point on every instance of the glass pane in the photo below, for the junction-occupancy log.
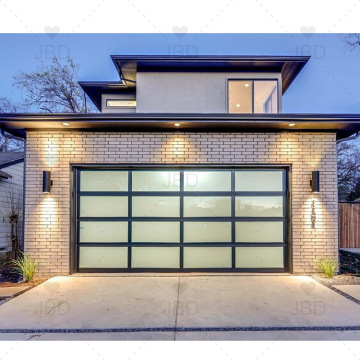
(207, 180)
(156, 206)
(104, 180)
(120, 103)
(259, 180)
(259, 206)
(265, 97)
(103, 231)
(156, 181)
(259, 257)
(156, 231)
(103, 206)
(207, 257)
(103, 257)
(259, 231)
(207, 231)
(207, 206)
(155, 257)
(240, 96)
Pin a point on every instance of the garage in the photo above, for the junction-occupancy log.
(176, 219)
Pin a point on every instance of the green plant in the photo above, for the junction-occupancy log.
(328, 266)
(24, 266)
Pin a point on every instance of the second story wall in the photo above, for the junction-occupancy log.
(189, 92)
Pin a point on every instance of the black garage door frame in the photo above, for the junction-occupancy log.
(74, 217)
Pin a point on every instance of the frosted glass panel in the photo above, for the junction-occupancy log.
(156, 181)
(259, 231)
(103, 257)
(103, 206)
(155, 257)
(259, 180)
(206, 257)
(259, 257)
(104, 180)
(259, 206)
(207, 180)
(156, 206)
(103, 231)
(156, 231)
(207, 231)
(198, 206)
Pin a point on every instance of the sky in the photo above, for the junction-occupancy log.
(329, 83)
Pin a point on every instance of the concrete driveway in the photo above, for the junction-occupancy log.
(189, 307)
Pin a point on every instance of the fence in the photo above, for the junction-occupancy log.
(349, 225)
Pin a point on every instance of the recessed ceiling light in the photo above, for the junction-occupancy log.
(247, 85)
(237, 105)
(177, 124)
(66, 124)
(292, 124)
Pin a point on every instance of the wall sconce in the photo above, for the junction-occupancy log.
(315, 181)
(47, 182)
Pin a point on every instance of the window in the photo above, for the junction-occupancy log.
(252, 96)
(120, 103)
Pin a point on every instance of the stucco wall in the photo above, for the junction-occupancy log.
(181, 92)
(15, 185)
(47, 226)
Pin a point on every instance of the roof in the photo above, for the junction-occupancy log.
(9, 158)
(128, 65)
(343, 124)
(4, 175)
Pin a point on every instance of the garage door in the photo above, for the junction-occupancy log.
(180, 219)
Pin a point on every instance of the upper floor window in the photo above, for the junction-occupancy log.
(120, 103)
(253, 96)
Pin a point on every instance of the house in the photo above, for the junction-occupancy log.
(11, 197)
(189, 166)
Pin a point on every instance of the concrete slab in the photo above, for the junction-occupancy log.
(191, 336)
(262, 301)
(8, 292)
(352, 290)
(65, 302)
(169, 303)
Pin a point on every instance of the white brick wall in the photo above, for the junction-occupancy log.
(47, 225)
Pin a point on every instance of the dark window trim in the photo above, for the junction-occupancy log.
(74, 231)
(252, 80)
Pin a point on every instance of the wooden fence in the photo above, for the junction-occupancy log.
(349, 225)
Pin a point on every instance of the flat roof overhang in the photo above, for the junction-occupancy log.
(343, 125)
(289, 66)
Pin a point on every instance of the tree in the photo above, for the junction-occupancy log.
(348, 169)
(9, 142)
(352, 41)
(54, 88)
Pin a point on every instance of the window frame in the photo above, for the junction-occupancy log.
(252, 80)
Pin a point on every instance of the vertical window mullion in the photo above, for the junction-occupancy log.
(181, 219)
(129, 217)
(233, 218)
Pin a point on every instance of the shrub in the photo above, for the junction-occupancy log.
(24, 266)
(328, 266)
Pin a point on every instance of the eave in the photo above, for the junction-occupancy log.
(289, 66)
(343, 125)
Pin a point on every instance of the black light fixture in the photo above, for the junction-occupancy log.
(47, 182)
(315, 181)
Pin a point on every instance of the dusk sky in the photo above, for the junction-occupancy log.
(329, 83)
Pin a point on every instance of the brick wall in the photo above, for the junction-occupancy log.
(47, 224)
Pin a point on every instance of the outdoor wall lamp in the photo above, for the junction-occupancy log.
(47, 182)
(315, 181)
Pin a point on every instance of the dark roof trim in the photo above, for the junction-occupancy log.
(94, 89)
(344, 125)
(4, 175)
(289, 66)
(12, 162)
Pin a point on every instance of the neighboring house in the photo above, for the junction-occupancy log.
(11, 193)
(190, 166)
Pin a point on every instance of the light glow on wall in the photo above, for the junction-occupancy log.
(49, 212)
